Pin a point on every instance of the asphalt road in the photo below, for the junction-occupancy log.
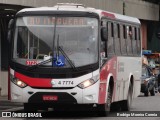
(141, 106)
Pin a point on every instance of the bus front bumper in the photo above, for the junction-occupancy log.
(75, 95)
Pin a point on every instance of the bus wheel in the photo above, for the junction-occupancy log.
(115, 107)
(126, 104)
(29, 107)
(105, 108)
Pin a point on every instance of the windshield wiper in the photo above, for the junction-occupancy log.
(64, 54)
(54, 37)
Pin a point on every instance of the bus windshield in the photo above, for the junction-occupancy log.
(65, 39)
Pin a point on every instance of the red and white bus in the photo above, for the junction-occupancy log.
(73, 55)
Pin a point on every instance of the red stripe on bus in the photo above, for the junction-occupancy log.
(109, 67)
(34, 82)
(109, 15)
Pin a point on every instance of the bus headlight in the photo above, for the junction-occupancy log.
(87, 83)
(18, 82)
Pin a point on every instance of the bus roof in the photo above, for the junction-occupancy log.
(81, 8)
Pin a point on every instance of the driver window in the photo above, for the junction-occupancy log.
(30, 45)
(110, 44)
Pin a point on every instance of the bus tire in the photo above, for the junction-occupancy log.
(104, 109)
(126, 104)
(115, 107)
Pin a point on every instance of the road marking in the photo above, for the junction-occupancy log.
(6, 107)
(14, 109)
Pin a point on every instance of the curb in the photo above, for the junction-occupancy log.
(4, 98)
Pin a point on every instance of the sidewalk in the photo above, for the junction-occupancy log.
(7, 105)
(4, 98)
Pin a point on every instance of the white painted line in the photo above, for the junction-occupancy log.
(6, 107)
(13, 109)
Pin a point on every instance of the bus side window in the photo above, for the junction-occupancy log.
(129, 40)
(123, 39)
(134, 40)
(124, 32)
(118, 30)
(110, 43)
(117, 39)
(112, 30)
(135, 32)
(138, 41)
(103, 43)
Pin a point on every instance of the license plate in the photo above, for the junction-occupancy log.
(50, 98)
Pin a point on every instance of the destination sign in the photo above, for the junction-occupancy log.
(59, 21)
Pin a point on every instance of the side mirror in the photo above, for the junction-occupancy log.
(10, 24)
(10, 28)
(9, 36)
(104, 34)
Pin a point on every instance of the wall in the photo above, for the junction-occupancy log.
(144, 34)
(135, 8)
(153, 41)
(142, 10)
(4, 83)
